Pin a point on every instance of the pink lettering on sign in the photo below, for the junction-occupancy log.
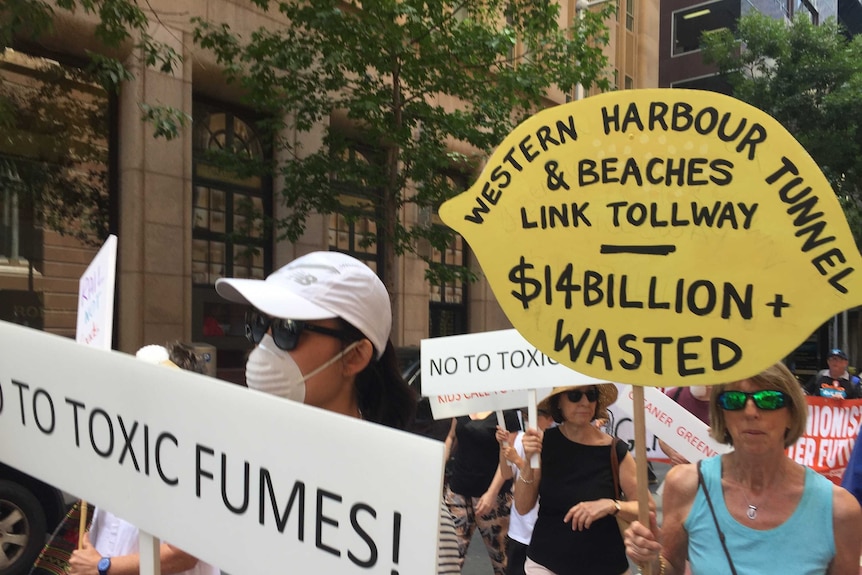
(660, 415)
(695, 441)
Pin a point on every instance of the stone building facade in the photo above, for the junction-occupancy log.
(177, 218)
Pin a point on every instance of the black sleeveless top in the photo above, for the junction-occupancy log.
(572, 473)
(477, 453)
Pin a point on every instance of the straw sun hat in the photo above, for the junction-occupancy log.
(607, 395)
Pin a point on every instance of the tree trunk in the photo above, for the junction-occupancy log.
(389, 209)
(389, 203)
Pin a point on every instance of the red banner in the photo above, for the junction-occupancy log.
(830, 433)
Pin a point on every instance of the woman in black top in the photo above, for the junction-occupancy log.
(576, 531)
(476, 494)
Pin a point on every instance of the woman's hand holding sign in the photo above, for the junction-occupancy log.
(533, 442)
(527, 486)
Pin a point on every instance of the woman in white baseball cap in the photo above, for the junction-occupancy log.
(321, 324)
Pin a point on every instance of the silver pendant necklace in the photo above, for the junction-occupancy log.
(752, 512)
(752, 509)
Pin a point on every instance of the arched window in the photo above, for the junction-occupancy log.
(231, 214)
(231, 208)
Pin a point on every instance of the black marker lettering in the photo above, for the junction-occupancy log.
(320, 519)
(363, 534)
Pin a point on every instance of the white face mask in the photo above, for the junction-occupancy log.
(272, 370)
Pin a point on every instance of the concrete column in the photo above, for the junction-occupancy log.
(154, 275)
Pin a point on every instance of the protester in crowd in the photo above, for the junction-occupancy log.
(835, 381)
(321, 325)
(476, 494)
(695, 400)
(577, 531)
(512, 458)
(110, 547)
(723, 514)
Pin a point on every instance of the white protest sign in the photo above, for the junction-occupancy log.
(457, 404)
(96, 298)
(490, 361)
(248, 482)
(671, 422)
(620, 424)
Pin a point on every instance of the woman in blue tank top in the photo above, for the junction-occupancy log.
(772, 514)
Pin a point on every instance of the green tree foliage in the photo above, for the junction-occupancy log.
(392, 69)
(53, 146)
(54, 149)
(118, 22)
(407, 80)
(809, 78)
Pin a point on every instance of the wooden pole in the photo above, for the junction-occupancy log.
(82, 524)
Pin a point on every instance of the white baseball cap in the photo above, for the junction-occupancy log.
(320, 285)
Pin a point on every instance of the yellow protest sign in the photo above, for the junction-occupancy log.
(659, 237)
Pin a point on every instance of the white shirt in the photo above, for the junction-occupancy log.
(845, 375)
(113, 537)
(521, 526)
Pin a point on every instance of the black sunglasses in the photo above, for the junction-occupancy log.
(766, 399)
(575, 395)
(285, 332)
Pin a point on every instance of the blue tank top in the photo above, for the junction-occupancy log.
(802, 545)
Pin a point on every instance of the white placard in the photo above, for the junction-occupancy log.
(457, 404)
(621, 425)
(248, 482)
(490, 361)
(672, 423)
(96, 298)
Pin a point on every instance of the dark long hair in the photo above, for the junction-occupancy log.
(381, 393)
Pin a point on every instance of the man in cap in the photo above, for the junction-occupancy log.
(835, 381)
